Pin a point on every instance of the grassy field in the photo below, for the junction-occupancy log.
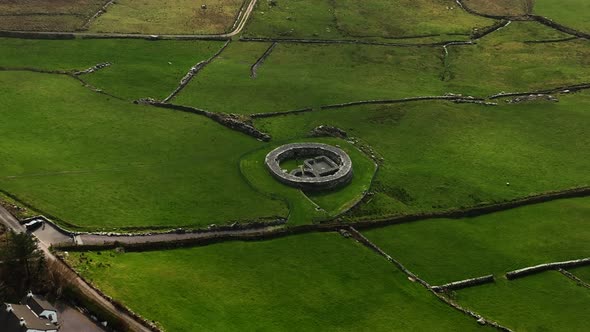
(501, 7)
(101, 163)
(373, 19)
(168, 17)
(542, 302)
(47, 15)
(311, 207)
(297, 76)
(440, 155)
(139, 68)
(571, 13)
(315, 282)
(456, 249)
(504, 62)
(582, 273)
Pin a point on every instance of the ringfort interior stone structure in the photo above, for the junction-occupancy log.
(324, 167)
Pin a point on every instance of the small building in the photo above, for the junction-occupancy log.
(40, 307)
(20, 318)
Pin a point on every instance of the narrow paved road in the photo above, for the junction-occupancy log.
(12, 223)
(237, 30)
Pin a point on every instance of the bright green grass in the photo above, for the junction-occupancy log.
(310, 207)
(314, 282)
(168, 17)
(101, 163)
(440, 155)
(503, 62)
(571, 13)
(139, 68)
(582, 273)
(456, 249)
(298, 76)
(542, 302)
(327, 19)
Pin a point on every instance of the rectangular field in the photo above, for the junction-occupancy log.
(314, 282)
(457, 249)
(542, 302)
(183, 17)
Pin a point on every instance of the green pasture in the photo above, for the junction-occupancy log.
(402, 22)
(299, 76)
(305, 208)
(100, 163)
(314, 282)
(543, 302)
(500, 7)
(574, 14)
(456, 249)
(442, 155)
(505, 62)
(139, 68)
(168, 17)
(582, 272)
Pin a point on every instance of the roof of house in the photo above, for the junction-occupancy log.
(37, 303)
(11, 315)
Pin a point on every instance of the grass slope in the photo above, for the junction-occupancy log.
(102, 163)
(542, 302)
(139, 68)
(297, 76)
(168, 17)
(582, 273)
(500, 7)
(315, 282)
(440, 155)
(572, 13)
(456, 249)
(372, 19)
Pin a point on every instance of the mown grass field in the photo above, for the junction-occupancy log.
(139, 68)
(572, 13)
(373, 19)
(97, 162)
(441, 155)
(542, 302)
(168, 17)
(315, 282)
(47, 15)
(457, 249)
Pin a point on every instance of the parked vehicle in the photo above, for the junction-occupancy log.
(33, 225)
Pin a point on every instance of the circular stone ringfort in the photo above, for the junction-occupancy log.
(324, 167)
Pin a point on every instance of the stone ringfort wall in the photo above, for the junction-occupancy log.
(300, 150)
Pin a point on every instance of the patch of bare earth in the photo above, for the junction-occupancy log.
(501, 7)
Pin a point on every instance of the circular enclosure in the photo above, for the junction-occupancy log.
(325, 166)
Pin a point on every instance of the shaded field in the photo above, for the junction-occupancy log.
(308, 282)
(572, 13)
(456, 249)
(441, 155)
(47, 15)
(305, 208)
(168, 17)
(100, 163)
(139, 68)
(373, 19)
(543, 302)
